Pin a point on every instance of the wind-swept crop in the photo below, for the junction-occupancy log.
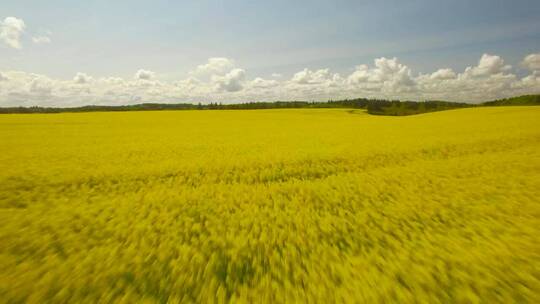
(271, 206)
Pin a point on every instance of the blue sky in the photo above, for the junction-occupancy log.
(171, 38)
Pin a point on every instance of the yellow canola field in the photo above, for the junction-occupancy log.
(270, 206)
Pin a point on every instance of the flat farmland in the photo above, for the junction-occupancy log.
(285, 205)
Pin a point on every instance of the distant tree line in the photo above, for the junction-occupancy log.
(525, 100)
(402, 108)
(373, 106)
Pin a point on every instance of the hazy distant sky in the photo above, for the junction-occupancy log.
(78, 52)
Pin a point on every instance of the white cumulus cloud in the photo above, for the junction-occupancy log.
(443, 74)
(490, 79)
(488, 65)
(307, 76)
(215, 66)
(388, 76)
(41, 85)
(144, 74)
(82, 78)
(261, 83)
(11, 30)
(230, 82)
(532, 62)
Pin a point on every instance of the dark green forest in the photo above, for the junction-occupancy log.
(373, 106)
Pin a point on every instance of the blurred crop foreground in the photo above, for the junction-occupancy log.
(271, 206)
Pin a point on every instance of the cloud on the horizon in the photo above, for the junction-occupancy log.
(11, 30)
(144, 74)
(82, 78)
(219, 79)
(318, 77)
(230, 82)
(261, 83)
(532, 62)
(488, 65)
(388, 76)
(443, 74)
(215, 66)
